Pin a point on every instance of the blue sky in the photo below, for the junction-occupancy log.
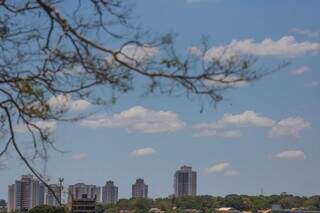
(264, 134)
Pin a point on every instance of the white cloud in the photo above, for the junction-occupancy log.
(135, 55)
(79, 105)
(287, 46)
(79, 156)
(143, 152)
(300, 71)
(218, 168)
(247, 118)
(221, 168)
(306, 32)
(65, 102)
(137, 119)
(289, 127)
(290, 155)
(45, 126)
(195, 51)
(224, 127)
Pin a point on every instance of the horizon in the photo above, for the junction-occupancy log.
(262, 135)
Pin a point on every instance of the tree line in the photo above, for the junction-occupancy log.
(205, 203)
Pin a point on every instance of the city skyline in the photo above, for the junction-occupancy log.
(262, 135)
(107, 193)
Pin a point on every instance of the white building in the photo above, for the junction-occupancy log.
(25, 194)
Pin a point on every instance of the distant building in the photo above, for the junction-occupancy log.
(227, 210)
(25, 194)
(50, 199)
(156, 210)
(109, 193)
(91, 191)
(185, 182)
(3, 206)
(83, 205)
(139, 189)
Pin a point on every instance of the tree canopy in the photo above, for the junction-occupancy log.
(208, 203)
(47, 209)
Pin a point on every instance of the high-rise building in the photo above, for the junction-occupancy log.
(50, 199)
(139, 189)
(76, 191)
(25, 194)
(185, 182)
(110, 193)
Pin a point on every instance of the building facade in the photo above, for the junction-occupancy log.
(110, 193)
(76, 191)
(25, 194)
(83, 205)
(3, 206)
(50, 199)
(185, 182)
(139, 189)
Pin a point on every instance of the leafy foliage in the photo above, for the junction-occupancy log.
(47, 209)
(208, 203)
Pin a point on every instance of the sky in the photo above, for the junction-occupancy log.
(264, 135)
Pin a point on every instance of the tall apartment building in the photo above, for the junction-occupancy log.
(78, 190)
(25, 194)
(139, 189)
(50, 199)
(185, 182)
(110, 193)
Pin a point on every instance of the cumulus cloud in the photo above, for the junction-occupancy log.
(290, 155)
(137, 119)
(306, 32)
(247, 118)
(79, 156)
(228, 126)
(46, 127)
(300, 71)
(135, 55)
(65, 102)
(291, 126)
(221, 168)
(286, 46)
(143, 152)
